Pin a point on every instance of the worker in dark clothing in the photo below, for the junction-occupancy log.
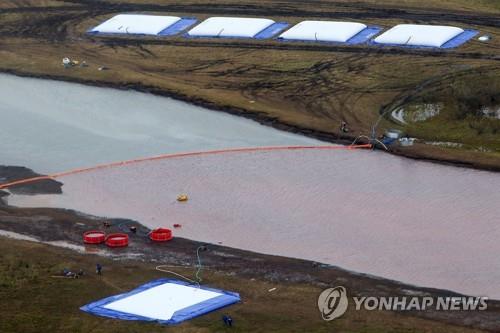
(343, 127)
(98, 269)
(228, 321)
(69, 274)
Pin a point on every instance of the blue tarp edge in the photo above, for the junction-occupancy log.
(227, 298)
(178, 26)
(272, 30)
(204, 308)
(364, 35)
(463, 38)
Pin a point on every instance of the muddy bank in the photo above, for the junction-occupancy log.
(422, 152)
(65, 228)
(261, 118)
(13, 173)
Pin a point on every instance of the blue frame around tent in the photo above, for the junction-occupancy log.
(272, 30)
(179, 26)
(227, 298)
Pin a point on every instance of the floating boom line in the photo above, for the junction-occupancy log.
(176, 155)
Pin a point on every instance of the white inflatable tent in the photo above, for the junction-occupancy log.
(136, 24)
(418, 35)
(326, 31)
(230, 27)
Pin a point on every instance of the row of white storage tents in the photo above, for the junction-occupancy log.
(320, 31)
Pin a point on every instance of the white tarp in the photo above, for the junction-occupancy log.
(136, 24)
(327, 31)
(418, 35)
(161, 302)
(230, 27)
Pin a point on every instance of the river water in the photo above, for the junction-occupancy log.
(53, 126)
(420, 223)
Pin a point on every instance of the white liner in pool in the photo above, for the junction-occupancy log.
(327, 31)
(167, 301)
(136, 24)
(162, 301)
(230, 27)
(418, 35)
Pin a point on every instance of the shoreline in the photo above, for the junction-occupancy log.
(266, 298)
(258, 117)
(64, 228)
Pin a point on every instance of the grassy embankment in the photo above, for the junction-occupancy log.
(32, 301)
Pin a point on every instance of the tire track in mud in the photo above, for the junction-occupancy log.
(354, 11)
(274, 45)
(54, 25)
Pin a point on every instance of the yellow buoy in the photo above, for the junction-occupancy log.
(182, 198)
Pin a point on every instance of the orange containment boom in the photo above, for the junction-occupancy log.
(177, 155)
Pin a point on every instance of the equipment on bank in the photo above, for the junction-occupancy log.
(161, 235)
(94, 237)
(117, 240)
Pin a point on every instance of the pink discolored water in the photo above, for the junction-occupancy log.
(415, 222)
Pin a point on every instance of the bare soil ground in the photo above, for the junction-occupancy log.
(301, 87)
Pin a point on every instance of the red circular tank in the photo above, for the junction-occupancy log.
(94, 237)
(117, 240)
(161, 235)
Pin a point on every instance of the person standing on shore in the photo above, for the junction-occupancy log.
(98, 269)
